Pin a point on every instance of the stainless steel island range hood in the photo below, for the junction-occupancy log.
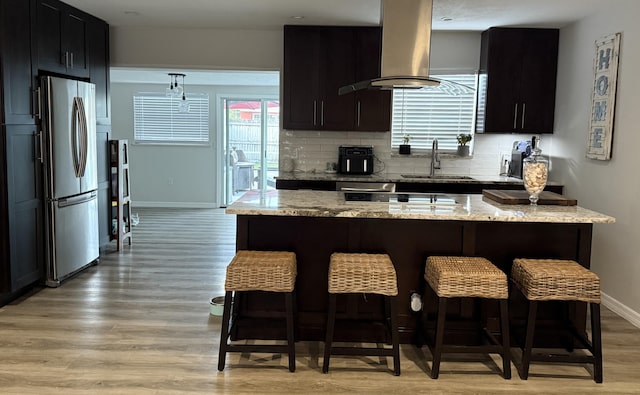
(406, 42)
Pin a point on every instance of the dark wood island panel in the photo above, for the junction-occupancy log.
(408, 242)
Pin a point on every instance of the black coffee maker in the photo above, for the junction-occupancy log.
(520, 151)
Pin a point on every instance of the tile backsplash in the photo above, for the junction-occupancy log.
(309, 151)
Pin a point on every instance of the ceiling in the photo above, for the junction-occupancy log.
(465, 15)
(476, 15)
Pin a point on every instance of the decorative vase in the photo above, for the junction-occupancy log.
(463, 150)
(404, 149)
(535, 170)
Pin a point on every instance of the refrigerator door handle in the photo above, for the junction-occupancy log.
(79, 136)
(74, 136)
(84, 136)
(70, 201)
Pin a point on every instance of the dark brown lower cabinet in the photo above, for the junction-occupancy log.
(23, 250)
(408, 243)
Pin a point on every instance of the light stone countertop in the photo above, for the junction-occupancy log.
(468, 207)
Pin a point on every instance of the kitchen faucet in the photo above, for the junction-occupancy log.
(435, 159)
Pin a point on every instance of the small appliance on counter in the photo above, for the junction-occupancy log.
(520, 151)
(355, 159)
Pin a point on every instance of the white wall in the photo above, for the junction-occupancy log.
(174, 176)
(196, 48)
(611, 187)
(192, 169)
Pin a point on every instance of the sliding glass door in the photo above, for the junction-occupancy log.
(250, 145)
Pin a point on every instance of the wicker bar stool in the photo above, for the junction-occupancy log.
(271, 271)
(468, 277)
(564, 280)
(363, 273)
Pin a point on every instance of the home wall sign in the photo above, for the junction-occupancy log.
(603, 98)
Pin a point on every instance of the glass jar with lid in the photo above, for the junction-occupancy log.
(535, 170)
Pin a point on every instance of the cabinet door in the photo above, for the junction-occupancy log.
(301, 92)
(373, 107)
(503, 65)
(98, 38)
(16, 60)
(24, 198)
(74, 36)
(539, 72)
(337, 112)
(49, 27)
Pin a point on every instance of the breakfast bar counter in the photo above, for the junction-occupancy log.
(408, 227)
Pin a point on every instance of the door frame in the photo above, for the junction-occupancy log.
(220, 136)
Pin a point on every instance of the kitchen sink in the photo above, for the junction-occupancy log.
(437, 176)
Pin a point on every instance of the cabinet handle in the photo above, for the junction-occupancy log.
(37, 112)
(71, 56)
(358, 114)
(515, 117)
(322, 113)
(524, 109)
(315, 112)
(38, 149)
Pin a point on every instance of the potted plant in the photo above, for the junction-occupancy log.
(405, 147)
(463, 148)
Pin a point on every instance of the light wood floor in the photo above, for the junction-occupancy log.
(139, 323)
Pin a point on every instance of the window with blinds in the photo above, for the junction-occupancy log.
(425, 114)
(159, 119)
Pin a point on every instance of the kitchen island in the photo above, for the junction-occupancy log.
(408, 227)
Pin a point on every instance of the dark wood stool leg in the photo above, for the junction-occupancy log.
(528, 343)
(568, 325)
(596, 336)
(395, 342)
(291, 342)
(296, 335)
(506, 349)
(331, 319)
(224, 332)
(437, 351)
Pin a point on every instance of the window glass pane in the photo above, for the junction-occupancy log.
(162, 119)
(425, 114)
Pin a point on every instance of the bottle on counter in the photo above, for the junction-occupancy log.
(535, 171)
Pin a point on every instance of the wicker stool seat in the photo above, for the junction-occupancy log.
(270, 271)
(273, 271)
(357, 274)
(459, 277)
(563, 280)
(468, 277)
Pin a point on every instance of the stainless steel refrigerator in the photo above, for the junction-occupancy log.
(71, 180)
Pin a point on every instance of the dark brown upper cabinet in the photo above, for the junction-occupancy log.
(62, 39)
(98, 55)
(320, 59)
(17, 54)
(518, 69)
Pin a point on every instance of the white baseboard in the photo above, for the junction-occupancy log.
(623, 311)
(138, 203)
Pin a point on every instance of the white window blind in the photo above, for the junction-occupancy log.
(425, 114)
(159, 120)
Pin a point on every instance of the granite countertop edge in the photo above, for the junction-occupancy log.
(470, 207)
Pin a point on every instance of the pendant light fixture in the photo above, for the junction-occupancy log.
(177, 91)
